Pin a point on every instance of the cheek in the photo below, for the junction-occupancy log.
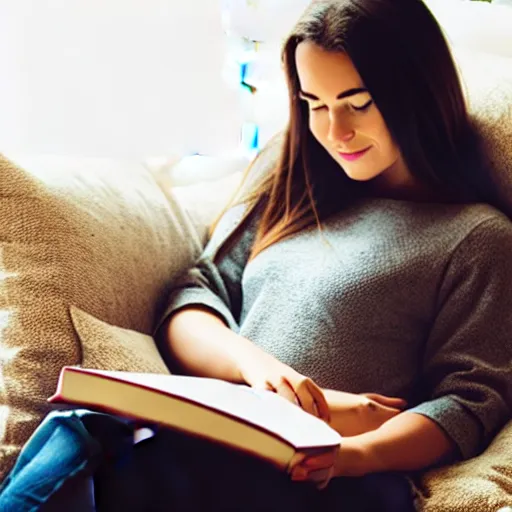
(375, 129)
(387, 145)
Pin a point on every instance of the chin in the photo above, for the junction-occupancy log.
(360, 175)
(357, 177)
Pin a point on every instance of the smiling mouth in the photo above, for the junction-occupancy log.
(354, 156)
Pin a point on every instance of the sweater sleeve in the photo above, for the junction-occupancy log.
(215, 280)
(467, 366)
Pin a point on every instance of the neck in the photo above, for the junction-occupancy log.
(398, 182)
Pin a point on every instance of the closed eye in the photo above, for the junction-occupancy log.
(312, 105)
(364, 107)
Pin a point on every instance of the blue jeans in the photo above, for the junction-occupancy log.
(86, 462)
(60, 456)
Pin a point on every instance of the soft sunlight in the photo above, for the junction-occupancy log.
(6, 353)
(114, 78)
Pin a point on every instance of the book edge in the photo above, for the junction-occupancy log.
(58, 397)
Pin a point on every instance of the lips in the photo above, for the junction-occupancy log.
(354, 156)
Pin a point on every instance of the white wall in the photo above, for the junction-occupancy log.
(124, 78)
(476, 26)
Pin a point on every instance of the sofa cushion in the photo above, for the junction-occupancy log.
(89, 233)
(106, 346)
(482, 484)
(204, 201)
(487, 80)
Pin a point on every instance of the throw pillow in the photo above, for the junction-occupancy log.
(106, 347)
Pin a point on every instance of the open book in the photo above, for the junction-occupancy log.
(260, 423)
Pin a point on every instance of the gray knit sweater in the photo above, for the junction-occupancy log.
(402, 298)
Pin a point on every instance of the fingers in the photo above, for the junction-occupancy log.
(312, 462)
(311, 398)
(320, 461)
(388, 411)
(284, 389)
(396, 403)
(296, 460)
(321, 404)
(266, 386)
(318, 468)
(306, 399)
(321, 477)
(299, 390)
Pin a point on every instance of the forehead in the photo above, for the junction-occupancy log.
(325, 73)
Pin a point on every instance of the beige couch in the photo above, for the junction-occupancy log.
(89, 249)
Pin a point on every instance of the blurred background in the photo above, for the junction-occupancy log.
(141, 79)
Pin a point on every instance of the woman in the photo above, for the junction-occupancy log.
(366, 260)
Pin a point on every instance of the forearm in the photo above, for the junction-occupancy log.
(201, 344)
(406, 442)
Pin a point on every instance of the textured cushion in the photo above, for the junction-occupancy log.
(201, 184)
(482, 484)
(488, 84)
(106, 347)
(204, 201)
(93, 234)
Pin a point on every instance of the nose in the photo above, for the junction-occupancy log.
(339, 130)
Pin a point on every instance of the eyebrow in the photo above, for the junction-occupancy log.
(341, 95)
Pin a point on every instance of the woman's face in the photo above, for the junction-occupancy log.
(344, 118)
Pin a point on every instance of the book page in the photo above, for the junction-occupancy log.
(259, 407)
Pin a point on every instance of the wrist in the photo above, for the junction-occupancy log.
(246, 356)
(356, 457)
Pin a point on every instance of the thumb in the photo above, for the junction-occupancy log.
(396, 403)
(264, 385)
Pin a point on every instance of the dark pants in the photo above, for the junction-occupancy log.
(105, 472)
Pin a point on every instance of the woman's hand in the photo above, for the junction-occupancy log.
(354, 414)
(407, 442)
(315, 467)
(263, 371)
(351, 458)
(351, 415)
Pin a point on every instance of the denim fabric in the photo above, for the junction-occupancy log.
(60, 449)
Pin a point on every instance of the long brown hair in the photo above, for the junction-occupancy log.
(404, 61)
